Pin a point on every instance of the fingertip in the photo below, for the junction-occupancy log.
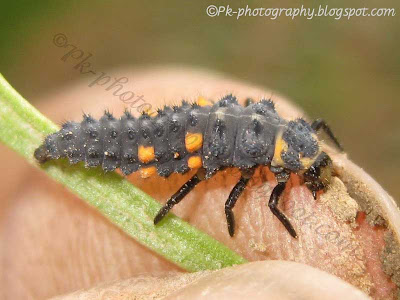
(269, 280)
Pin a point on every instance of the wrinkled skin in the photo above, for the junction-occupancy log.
(53, 243)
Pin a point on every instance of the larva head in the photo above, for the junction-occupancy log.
(296, 146)
(41, 154)
(47, 150)
(319, 175)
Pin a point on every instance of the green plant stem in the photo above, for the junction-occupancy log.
(23, 128)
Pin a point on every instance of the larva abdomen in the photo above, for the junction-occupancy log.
(147, 143)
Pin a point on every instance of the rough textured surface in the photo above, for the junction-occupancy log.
(362, 193)
(339, 201)
(391, 258)
(380, 209)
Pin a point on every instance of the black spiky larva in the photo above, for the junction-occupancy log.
(203, 136)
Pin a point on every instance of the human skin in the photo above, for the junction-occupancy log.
(53, 243)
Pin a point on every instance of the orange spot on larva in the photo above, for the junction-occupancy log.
(146, 154)
(280, 146)
(203, 101)
(147, 172)
(193, 141)
(195, 162)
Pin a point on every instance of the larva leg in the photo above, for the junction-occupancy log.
(273, 205)
(177, 197)
(321, 124)
(233, 196)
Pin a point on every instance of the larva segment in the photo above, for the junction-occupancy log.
(129, 144)
(256, 134)
(195, 127)
(110, 129)
(176, 137)
(70, 142)
(163, 153)
(220, 134)
(301, 145)
(92, 144)
(146, 153)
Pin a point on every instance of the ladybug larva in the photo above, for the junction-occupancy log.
(203, 136)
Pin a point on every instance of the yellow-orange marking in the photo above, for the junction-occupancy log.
(203, 101)
(147, 172)
(146, 154)
(307, 162)
(195, 162)
(193, 141)
(280, 146)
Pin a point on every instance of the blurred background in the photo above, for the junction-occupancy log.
(345, 71)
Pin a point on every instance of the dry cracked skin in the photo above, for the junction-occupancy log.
(53, 243)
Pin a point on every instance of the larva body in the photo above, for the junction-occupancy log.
(206, 137)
